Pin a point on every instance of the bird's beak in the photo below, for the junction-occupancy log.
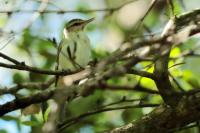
(88, 21)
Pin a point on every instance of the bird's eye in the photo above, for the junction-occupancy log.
(76, 24)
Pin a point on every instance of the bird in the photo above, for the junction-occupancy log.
(74, 51)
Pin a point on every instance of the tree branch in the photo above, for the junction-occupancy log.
(128, 88)
(24, 102)
(68, 11)
(164, 118)
(38, 85)
(72, 121)
(142, 73)
(24, 67)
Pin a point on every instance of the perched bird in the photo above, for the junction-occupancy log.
(74, 52)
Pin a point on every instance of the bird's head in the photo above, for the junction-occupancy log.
(77, 24)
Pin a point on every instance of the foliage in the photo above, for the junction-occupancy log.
(118, 98)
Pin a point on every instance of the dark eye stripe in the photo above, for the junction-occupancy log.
(76, 24)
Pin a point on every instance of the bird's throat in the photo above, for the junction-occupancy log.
(65, 33)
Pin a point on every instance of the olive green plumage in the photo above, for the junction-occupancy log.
(74, 50)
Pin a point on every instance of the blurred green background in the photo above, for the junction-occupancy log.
(24, 35)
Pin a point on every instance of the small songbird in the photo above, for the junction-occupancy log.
(74, 52)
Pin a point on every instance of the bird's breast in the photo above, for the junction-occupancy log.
(76, 52)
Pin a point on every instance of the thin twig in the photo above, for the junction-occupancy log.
(24, 67)
(72, 121)
(129, 88)
(10, 59)
(183, 128)
(122, 100)
(68, 11)
(153, 2)
(38, 85)
(176, 82)
(142, 73)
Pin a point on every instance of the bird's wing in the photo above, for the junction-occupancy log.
(59, 48)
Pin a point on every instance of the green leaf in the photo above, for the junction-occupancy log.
(3, 131)
(18, 78)
(31, 123)
(9, 118)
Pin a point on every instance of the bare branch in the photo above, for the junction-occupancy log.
(164, 118)
(129, 88)
(38, 85)
(68, 11)
(25, 67)
(24, 102)
(142, 73)
(72, 121)
(10, 59)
